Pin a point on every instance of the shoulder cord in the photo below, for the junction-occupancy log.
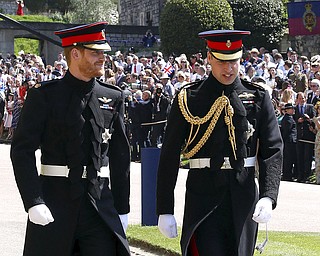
(215, 111)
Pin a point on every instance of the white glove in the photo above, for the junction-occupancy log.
(167, 225)
(263, 210)
(40, 215)
(124, 221)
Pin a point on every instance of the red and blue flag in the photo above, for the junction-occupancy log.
(304, 18)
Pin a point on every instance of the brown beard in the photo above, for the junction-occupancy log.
(89, 70)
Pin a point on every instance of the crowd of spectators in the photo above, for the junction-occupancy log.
(292, 81)
(151, 82)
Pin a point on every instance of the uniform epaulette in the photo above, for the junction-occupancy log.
(111, 86)
(45, 83)
(188, 85)
(251, 85)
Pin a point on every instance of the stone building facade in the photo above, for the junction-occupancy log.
(140, 12)
(8, 7)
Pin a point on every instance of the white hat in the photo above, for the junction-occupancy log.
(164, 76)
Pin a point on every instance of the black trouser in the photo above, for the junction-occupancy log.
(157, 134)
(305, 153)
(215, 236)
(289, 160)
(77, 228)
(93, 237)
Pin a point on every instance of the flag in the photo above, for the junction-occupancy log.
(169, 69)
(304, 18)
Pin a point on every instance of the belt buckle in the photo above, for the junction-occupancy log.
(226, 163)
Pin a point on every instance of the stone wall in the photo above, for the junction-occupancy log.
(8, 6)
(140, 12)
(305, 45)
(128, 36)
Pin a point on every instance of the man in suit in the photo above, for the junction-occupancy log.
(77, 122)
(313, 96)
(120, 76)
(137, 66)
(217, 124)
(306, 136)
(289, 136)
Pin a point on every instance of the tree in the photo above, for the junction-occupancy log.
(62, 6)
(265, 20)
(86, 11)
(35, 6)
(182, 20)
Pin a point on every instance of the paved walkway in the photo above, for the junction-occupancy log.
(298, 207)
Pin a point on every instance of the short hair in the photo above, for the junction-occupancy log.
(288, 63)
(67, 52)
(278, 56)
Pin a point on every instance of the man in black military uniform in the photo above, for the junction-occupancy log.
(224, 126)
(78, 124)
(289, 137)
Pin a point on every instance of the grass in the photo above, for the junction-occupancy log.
(280, 243)
(32, 18)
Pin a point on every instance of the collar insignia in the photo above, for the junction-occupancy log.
(104, 100)
(245, 96)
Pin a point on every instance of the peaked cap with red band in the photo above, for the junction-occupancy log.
(91, 36)
(225, 44)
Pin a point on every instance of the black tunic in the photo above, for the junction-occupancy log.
(206, 188)
(66, 119)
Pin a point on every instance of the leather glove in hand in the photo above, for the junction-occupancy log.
(167, 225)
(40, 215)
(124, 221)
(263, 210)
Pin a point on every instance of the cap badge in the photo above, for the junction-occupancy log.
(103, 34)
(228, 44)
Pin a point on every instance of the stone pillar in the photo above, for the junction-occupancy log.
(50, 50)
(6, 41)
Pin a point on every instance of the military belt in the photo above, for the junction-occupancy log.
(199, 163)
(63, 171)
